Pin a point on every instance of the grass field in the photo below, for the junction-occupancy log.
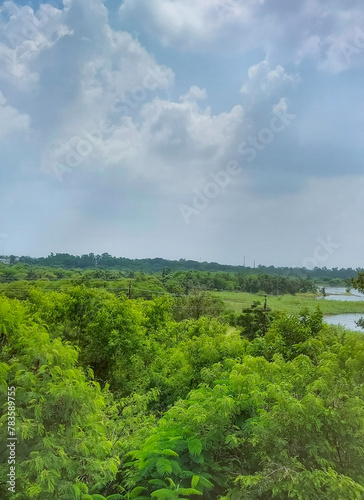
(236, 301)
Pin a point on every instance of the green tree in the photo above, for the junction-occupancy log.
(196, 304)
(107, 329)
(358, 284)
(255, 320)
(267, 429)
(62, 422)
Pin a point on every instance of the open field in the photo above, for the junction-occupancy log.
(236, 301)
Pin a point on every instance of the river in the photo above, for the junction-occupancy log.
(348, 319)
(337, 293)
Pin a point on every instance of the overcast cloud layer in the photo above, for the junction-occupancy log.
(210, 129)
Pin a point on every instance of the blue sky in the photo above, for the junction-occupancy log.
(207, 130)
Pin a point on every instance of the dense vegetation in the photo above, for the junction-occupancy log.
(158, 265)
(157, 396)
(18, 278)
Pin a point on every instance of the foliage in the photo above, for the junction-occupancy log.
(197, 304)
(254, 320)
(61, 420)
(107, 329)
(358, 282)
(158, 397)
(269, 429)
(158, 265)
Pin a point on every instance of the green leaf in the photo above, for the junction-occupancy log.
(163, 494)
(176, 467)
(164, 466)
(34, 490)
(157, 482)
(169, 453)
(194, 481)
(136, 491)
(189, 491)
(194, 446)
(205, 482)
(170, 482)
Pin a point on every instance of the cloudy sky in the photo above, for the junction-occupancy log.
(197, 129)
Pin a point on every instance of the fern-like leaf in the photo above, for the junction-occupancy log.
(194, 446)
(164, 494)
(135, 492)
(164, 466)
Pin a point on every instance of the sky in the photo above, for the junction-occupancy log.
(212, 130)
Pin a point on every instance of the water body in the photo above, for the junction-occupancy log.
(346, 320)
(337, 293)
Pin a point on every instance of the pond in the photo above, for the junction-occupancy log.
(347, 320)
(337, 293)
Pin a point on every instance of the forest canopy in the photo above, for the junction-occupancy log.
(160, 397)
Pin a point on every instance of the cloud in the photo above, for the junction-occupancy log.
(266, 80)
(139, 127)
(265, 86)
(81, 75)
(24, 36)
(189, 24)
(10, 119)
(194, 94)
(290, 31)
(172, 142)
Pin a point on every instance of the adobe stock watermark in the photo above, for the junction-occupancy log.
(221, 180)
(354, 48)
(12, 440)
(322, 252)
(278, 122)
(64, 157)
(201, 199)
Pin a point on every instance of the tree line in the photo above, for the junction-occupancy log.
(20, 278)
(157, 265)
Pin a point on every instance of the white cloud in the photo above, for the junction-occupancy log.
(194, 94)
(24, 36)
(175, 143)
(141, 144)
(289, 31)
(10, 119)
(265, 82)
(187, 23)
(121, 73)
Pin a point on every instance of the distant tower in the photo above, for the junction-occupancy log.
(254, 263)
(244, 261)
